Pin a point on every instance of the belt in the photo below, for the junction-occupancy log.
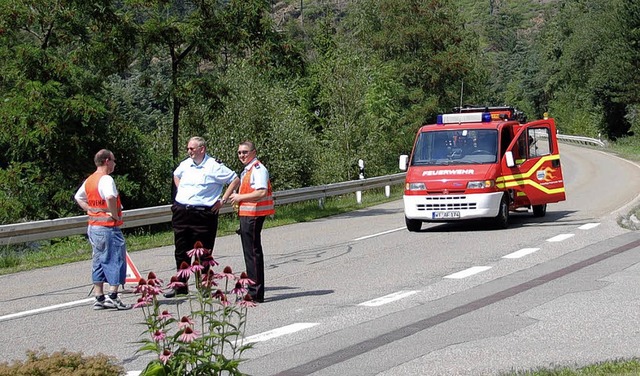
(194, 207)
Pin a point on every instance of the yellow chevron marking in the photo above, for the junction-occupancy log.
(531, 171)
(531, 183)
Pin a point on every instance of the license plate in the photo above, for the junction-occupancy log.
(446, 215)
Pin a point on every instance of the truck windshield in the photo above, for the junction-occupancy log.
(449, 147)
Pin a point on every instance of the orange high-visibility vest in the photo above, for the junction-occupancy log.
(98, 206)
(260, 208)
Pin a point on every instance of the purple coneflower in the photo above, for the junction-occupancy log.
(218, 294)
(141, 287)
(143, 302)
(247, 301)
(159, 335)
(152, 277)
(239, 289)
(227, 272)
(175, 283)
(165, 356)
(185, 271)
(196, 267)
(185, 322)
(208, 280)
(188, 335)
(245, 280)
(209, 261)
(198, 250)
(164, 315)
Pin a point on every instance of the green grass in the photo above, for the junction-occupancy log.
(621, 367)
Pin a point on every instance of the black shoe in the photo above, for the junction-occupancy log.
(172, 293)
(238, 232)
(257, 300)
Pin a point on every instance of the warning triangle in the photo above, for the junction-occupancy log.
(133, 275)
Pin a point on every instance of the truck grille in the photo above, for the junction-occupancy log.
(436, 203)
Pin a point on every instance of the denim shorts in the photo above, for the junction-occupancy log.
(109, 255)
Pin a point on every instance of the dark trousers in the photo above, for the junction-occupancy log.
(250, 229)
(190, 226)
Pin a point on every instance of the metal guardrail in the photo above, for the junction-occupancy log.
(55, 228)
(581, 140)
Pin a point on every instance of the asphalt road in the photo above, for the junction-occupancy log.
(357, 294)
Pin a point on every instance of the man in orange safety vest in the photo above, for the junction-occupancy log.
(254, 201)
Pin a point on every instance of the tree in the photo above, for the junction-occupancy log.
(56, 56)
(429, 46)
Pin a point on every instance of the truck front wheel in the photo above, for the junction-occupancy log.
(413, 225)
(502, 219)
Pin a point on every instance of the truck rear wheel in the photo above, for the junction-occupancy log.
(413, 225)
(501, 221)
(539, 210)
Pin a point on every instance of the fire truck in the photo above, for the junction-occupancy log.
(481, 162)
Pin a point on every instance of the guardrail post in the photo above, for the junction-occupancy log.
(387, 191)
(359, 193)
(321, 202)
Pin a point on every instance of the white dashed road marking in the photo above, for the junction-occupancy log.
(561, 237)
(388, 298)
(468, 272)
(280, 331)
(378, 234)
(521, 253)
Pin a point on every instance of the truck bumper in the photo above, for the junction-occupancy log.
(436, 208)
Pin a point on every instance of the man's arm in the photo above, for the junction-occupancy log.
(227, 193)
(81, 198)
(112, 205)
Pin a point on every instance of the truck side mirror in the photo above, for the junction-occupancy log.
(509, 157)
(404, 161)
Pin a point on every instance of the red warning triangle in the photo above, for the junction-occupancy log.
(133, 275)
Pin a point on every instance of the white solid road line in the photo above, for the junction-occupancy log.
(378, 234)
(388, 298)
(468, 272)
(521, 253)
(45, 309)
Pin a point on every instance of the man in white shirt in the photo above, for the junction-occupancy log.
(200, 180)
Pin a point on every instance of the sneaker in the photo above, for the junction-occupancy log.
(115, 303)
(98, 305)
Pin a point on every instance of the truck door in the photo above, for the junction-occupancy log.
(537, 173)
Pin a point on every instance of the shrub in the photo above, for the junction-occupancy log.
(62, 363)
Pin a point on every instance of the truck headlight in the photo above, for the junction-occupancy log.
(481, 184)
(415, 187)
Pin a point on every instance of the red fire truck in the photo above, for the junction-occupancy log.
(481, 163)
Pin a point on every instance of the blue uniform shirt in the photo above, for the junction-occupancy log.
(202, 184)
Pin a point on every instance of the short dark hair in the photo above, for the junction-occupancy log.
(102, 157)
(249, 144)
